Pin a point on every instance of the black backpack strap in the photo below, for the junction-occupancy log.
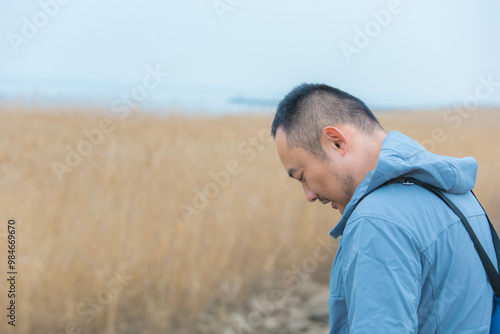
(491, 272)
(494, 235)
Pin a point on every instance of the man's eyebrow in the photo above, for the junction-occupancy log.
(291, 171)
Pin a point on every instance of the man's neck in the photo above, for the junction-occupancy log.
(372, 146)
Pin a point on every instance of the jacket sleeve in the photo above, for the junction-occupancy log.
(382, 276)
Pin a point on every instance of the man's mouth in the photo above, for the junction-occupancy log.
(326, 201)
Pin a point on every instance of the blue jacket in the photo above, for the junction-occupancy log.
(405, 263)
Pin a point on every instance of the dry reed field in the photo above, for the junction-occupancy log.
(138, 224)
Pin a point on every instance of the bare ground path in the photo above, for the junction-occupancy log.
(301, 310)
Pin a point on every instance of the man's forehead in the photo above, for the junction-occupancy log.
(282, 142)
(285, 146)
(290, 155)
(280, 134)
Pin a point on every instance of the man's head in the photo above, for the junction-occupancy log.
(328, 140)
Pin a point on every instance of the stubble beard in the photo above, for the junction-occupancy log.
(348, 187)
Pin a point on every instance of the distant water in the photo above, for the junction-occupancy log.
(164, 98)
(101, 95)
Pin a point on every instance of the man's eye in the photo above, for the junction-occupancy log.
(301, 178)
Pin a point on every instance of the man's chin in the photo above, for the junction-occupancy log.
(335, 206)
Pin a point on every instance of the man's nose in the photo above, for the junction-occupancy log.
(311, 196)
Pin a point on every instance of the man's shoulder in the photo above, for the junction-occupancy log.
(395, 201)
(410, 209)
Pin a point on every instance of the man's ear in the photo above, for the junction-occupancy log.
(334, 139)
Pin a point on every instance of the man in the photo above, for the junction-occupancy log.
(405, 262)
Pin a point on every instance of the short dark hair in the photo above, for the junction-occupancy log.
(309, 108)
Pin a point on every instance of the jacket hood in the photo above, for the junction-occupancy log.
(402, 156)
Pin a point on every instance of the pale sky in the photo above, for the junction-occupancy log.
(391, 54)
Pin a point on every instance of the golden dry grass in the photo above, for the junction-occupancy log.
(109, 250)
